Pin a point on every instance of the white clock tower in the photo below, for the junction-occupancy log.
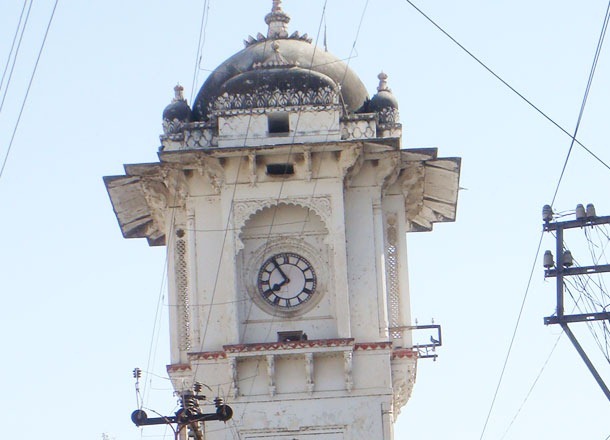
(284, 199)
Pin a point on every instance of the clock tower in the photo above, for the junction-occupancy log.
(284, 199)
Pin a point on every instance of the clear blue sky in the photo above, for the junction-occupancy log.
(79, 301)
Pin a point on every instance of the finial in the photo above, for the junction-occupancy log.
(277, 20)
(178, 96)
(274, 60)
(383, 83)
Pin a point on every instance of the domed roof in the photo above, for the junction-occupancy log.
(300, 65)
(384, 97)
(384, 103)
(177, 112)
(275, 83)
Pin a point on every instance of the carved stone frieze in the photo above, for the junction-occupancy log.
(265, 99)
(172, 126)
(388, 116)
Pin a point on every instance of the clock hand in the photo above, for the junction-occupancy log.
(286, 279)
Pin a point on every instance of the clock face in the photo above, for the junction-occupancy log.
(286, 280)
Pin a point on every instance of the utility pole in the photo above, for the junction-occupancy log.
(189, 416)
(563, 268)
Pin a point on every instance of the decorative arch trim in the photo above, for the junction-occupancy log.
(243, 210)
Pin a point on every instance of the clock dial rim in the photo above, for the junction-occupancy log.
(278, 277)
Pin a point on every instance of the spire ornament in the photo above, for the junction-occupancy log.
(383, 82)
(277, 20)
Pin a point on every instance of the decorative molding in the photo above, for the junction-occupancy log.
(260, 38)
(181, 276)
(172, 126)
(207, 356)
(276, 98)
(371, 346)
(392, 273)
(388, 116)
(290, 345)
(404, 372)
(176, 368)
(402, 353)
(244, 209)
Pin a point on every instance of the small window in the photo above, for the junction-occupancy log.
(278, 124)
(291, 336)
(280, 169)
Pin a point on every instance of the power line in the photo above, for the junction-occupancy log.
(201, 42)
(530, 103)
(533, 385)
(10, 54)
(598, 49)
(573, 137)
(10, 75)
(27, 92)
(512, 340)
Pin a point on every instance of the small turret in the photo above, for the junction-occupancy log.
(177, 113)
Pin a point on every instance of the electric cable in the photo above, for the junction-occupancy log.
(598, 49)
(494, 74)
(10, 54)
(512, 339)
(10, 76)
(548, 358)
(205, 13)
(27, 92)
(587, 89)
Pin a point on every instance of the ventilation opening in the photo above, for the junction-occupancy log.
(278, 124)
(280, 169)
(291, 336)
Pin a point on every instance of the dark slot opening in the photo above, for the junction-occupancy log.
(280, 169)
(278, 123)
(291, 336)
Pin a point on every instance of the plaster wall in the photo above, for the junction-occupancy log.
(252, 129)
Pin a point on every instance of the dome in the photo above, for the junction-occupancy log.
(298, 63)
(177, 112)
(276, 82)
(384, 97)
(384, 103)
